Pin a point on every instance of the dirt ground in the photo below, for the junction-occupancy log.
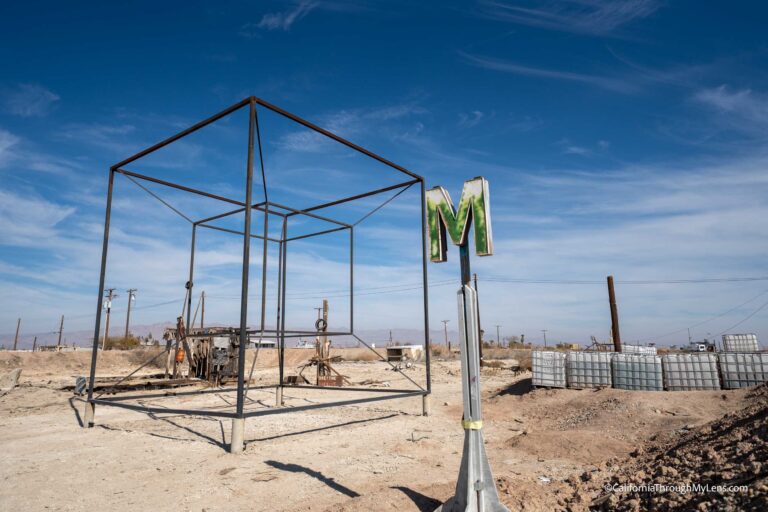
(376, 456)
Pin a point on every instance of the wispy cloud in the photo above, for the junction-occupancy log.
(7, 141)
(106, 136)
(471, 119)
(347, 123)
(282, 20)
(604, 82)
(569, 148)
(596, 17)
(28, 100)
(742, 109)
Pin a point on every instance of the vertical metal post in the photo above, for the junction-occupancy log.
(16, 338)
(479, 325)
(284, 243)
(190, 283)
(34, 344)
(246, 265)
(202, 310)
(464, 259)
(614, 316)
(61, 329)
(280, 271)
(131, 295)
(425, 293)
(352, 280)
(88, 420)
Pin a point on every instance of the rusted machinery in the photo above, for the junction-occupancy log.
(326, 375)
(211, 353)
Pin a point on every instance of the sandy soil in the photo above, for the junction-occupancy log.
(377, 456)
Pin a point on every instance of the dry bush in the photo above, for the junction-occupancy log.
(123, 343)
(140, 356)
(442, 352)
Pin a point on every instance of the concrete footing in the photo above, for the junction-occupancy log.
(238, 431)
(279, 397)
(90, 413)
(425, 405)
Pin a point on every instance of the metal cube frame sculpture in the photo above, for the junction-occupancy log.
(285, 213)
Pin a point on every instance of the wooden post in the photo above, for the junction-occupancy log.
(16, 338)
(61, 329)
(614, 316)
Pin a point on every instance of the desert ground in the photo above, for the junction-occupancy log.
(550, 449)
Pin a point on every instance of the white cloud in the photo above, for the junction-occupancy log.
(29, 100)
(7, 141)
(743, 109)
(282, 20)
(28, 220)
(596, 17)
(505, 66)
(347, 123)
(471, 119)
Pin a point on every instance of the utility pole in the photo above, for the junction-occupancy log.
(202, 309)
(614, 316)
(479, 325)
(689, 336)
(390, 337)
(498, 339)
(61, 329)
(108, 306)
(545, 337)
(34, 344)
(131, 298)
(445, 325)
(16, 338)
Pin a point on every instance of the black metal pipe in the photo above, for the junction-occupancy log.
(352, 279)
(264, 270)
(172, 394)
(162, 410)
(246, 265)
(190, 282)
(351, 388)
(335, 137)
(294, 211)
(299, 408)
(283, 265)
(425, 292)
(102, 273)
(261, 155)
(361, 196)
(301, 237)
(179, 187)
(184, 133)
(241, 233)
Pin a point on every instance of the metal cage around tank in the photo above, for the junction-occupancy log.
(285, 213)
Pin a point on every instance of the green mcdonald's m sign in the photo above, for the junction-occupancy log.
(474, 208)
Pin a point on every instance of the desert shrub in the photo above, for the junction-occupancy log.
(123, 343)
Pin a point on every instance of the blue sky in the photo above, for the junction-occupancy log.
(623, 138)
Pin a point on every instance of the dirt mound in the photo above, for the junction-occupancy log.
(696, 468)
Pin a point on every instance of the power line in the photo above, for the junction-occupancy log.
(745, 319)
(708, 319)
(501, 279)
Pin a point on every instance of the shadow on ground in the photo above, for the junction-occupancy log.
(519, 388)
(330, 482)
(425, 503)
